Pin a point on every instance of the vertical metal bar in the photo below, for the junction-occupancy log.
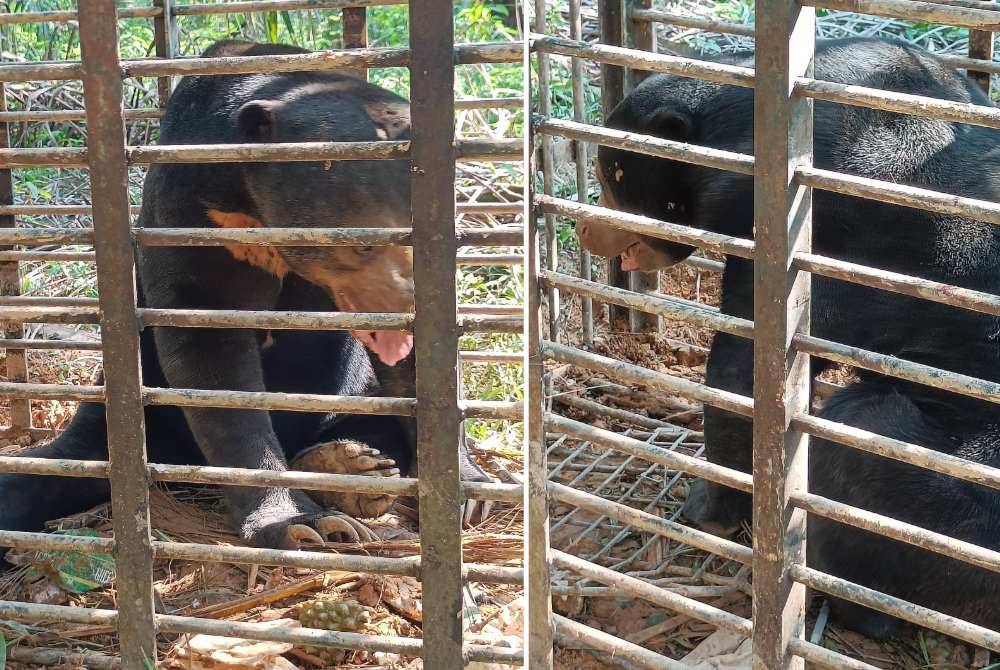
(538, 616)
(981, 46)
(611, 15)
(165, 43)
(432, 204)
(102, 85)
(545, 165)
(641, 35)
(582, 165)
(355, 23)
(10, 284)
(782, 216)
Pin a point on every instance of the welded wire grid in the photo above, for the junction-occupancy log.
(603, 483)
(432, 58)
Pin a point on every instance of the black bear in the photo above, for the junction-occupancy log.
(942, 156)
(286, 107)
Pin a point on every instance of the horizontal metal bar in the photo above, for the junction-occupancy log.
(77, 345)
(38, 256)
(635, 374)
(639, 589)
(311, 560)
(492, 409)
(272, 401)
(50, 542)
(274, 320)
(38, 236)
(314, 637)
(53, 210)
(899, 194)
(201, 9)
(669, 459)
(921, 457)
(23, 18)
(47, 300)
(897, 530)
(91, 660)
(489, 103)
(647, 145)
(500, 236)
(922, 616)
(514, 357)
(616, 647)
(644, 60)
(914, 10)
(900, 103)
(688, 21)
(50, 115)
(57, 467)
(21, 390)
(665, 307)
(650, 523)
(465, 54)
(643, 225)
(472, 323)
(470, 151)
(972, 387)
(247, 153)
(946, 294)
(483, 259)
(196, 237)
(34, 612)
(490, 208)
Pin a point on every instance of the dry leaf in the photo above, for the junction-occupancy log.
(400, 594)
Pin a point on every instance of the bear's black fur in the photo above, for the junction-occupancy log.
(286, 107)
(949, 157)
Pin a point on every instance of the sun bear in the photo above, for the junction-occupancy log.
(949, 157)
(266, 108)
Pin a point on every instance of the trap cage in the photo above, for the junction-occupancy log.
(604, 502)
(438, 322)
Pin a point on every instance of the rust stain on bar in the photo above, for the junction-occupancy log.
(120, 332)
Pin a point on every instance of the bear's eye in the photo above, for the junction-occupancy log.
(363, 251)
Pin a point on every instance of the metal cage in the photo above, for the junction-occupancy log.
(783, 81)
(437, 322)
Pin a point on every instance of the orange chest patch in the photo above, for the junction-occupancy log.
(265, 258)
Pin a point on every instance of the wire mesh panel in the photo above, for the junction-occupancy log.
(615, 478)
(126, 391)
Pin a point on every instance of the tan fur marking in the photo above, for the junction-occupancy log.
(265, 258)
(393, 118)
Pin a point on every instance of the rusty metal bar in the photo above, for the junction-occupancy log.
(199, 9)
(637, 588)
(960, 550)
(22, 18)
(611, 17)
(50, 344)
(278, 320)
(489, 103)
(669, 459)
(37, 236)
(650, 523)
(619, 56)
(648, 145)
(981, 48)
(50, 115)
(545, 163)
(120, 330)
(914, 10)
(272, 401)
(641, 36)
(665, 307)
(783, 140)
(354, 27)
(922, 616)
(64, 256)
(628, 652)
(922, 457)
(725, 244)
(537, 547)
(636, 374)
(899, 194)
(480, 259)
(688, 21)
(91, 660)
(580, 159)
(432, 76)
(16, 360)
(165, 44)
(464, 54)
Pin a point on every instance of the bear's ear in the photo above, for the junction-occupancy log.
(670, 123)
(257, 118)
